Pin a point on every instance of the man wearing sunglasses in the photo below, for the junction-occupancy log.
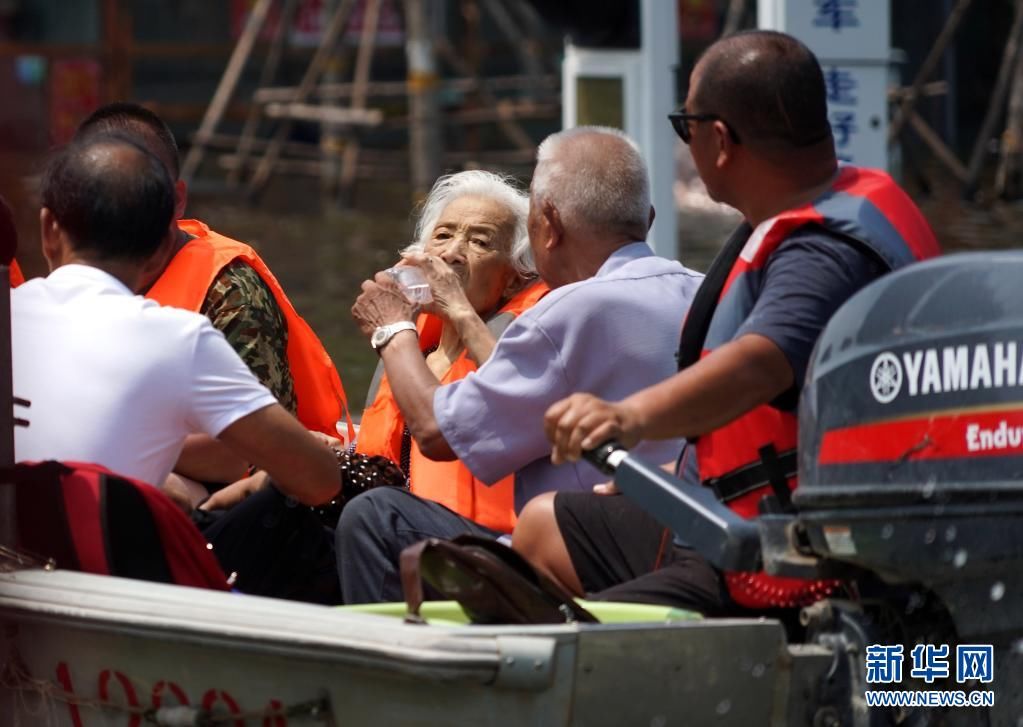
(814, 233)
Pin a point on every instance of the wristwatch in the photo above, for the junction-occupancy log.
(383, 334)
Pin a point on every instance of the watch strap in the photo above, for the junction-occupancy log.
(390, 330)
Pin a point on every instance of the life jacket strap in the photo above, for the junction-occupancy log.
(772, 470)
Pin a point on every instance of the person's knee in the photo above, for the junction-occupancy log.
(536, 525)
(366, 513)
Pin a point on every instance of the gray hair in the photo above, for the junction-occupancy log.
(607, 190)
(478, 183)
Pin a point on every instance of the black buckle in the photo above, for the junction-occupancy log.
(772, 470)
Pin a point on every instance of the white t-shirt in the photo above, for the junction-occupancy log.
(117, 380)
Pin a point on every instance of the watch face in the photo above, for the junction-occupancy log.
(379, 337)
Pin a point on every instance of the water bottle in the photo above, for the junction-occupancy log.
(412, 283)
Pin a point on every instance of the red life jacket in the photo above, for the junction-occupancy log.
(740, 459)
(184, 283)
(15, 275)
(89, 519)
(449, 483)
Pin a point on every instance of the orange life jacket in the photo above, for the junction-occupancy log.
(322, 405)
(449, 483)
(736, 459)
(15, 275)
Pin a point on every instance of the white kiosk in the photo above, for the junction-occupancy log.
(634, 90)
(851, 38)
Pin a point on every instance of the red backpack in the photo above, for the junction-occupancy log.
(89, 519)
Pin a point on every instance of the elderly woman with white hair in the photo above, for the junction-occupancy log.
(473, 249)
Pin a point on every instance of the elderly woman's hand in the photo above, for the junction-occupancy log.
(449, 299)
(380, 303)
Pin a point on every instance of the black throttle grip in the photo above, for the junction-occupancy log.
(601, 456)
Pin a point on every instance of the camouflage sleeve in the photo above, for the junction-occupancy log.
(241, 306)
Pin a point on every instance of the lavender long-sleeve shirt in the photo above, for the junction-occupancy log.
(610, 335)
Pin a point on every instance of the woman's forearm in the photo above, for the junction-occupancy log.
(478, 340)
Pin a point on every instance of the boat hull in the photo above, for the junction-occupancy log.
(81, 650)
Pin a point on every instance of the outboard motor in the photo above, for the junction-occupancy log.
(911, 472)
(910, 493)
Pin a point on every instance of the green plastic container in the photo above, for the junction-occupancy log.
(449, 613)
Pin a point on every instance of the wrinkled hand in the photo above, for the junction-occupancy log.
(234, 493)
(449, 298)
(582, 422)
(380, 303)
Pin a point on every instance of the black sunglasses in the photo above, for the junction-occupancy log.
(680, 121)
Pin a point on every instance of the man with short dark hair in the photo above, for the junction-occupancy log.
(814, 233)
(119, 381)
(228, 282)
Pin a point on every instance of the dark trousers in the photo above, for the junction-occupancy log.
(373, 530)
(621, 553)
(276, 546)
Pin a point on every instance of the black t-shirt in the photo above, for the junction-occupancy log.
(805, 281)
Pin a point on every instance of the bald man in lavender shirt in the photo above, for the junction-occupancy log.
(610, 325)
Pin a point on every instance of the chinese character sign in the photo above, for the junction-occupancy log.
(857, 110)
(851, 39)
(841, 85)
(836, 14)
(848, 30)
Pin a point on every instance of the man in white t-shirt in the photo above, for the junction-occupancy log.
(117, 380)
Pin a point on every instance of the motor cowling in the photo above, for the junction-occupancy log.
(911, 452)
(915, 389)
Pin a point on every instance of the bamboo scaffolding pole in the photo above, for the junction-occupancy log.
(994, 109)
(225, 89)
(363, 66)
(1011, 147)
(736, 12)
(934, 88)
(266, 76)
(325, 114)
(386, 164)
(547, 82)
(313, 167)
(940, 149)
(515, 34)
(929, 64)
(512, 130)
(425, 140)
(229, 142)
(327, 42)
